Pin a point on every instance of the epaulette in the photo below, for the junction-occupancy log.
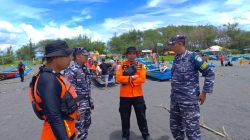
(139, 65)
(125, 66)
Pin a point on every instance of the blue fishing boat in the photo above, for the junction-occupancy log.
(100, 81)
(154, 71)
(12, 72)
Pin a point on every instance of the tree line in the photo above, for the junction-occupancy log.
(229, 36)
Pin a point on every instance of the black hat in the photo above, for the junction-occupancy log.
(131, 49)
(57, 48)
(177, 38)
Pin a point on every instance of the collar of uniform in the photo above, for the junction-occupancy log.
(182, 55)
(127, 62)
(77, 65)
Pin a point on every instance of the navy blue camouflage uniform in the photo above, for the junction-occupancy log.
(80, 78)
(184, 108)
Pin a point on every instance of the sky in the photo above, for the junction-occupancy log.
(22, 20)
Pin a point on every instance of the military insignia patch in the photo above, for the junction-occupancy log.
(198, 58)
(204, 66)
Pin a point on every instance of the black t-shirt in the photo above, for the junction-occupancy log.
(105, 68)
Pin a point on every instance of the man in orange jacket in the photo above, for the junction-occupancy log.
(132, 75)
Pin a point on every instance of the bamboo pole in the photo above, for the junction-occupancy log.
(202, 125)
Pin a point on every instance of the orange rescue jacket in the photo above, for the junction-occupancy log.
(131, 87)
(47, 133)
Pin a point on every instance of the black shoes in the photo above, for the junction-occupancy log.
(144, 138)
(125, 138)
(147, 138)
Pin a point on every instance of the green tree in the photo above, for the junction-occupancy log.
(8, 57)
(27, 51)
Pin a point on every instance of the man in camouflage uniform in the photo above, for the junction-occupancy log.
(80, 77)
(185, 92)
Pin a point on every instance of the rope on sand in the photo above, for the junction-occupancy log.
(202, 125)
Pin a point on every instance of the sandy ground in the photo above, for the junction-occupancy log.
(228, 106)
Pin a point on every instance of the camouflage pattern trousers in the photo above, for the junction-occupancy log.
(83, 123)
(184, 117)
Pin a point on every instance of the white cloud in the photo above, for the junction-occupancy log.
(161, 3)
(124, 24)
(19, 35)
(155, 15)
(9, 34)
(203, 8)
(235, 2)
(61, 32)
(112, 26)
(20, 11)
(213, 13)
(8, 27)
(84, 1)
(82, 16)
(245, 18)
(4, 46)
(76, 19)
(202, 13)
(85, 11)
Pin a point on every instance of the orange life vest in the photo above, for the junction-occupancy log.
(131, 87)
(67, 93)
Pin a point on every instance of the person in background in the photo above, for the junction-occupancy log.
(89, 63)
(94, 68)
(21, 69)
(154, 55)
(204, 58)
(105, 67)
(222, 58)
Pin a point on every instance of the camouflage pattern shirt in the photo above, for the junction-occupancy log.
(80, 78)
(185, 77)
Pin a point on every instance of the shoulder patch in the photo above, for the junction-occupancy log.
(199, 63)
(204, 66)
(198, 58)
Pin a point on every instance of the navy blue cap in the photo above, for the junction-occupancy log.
(177, 38)
(131, 49)
(80, 50)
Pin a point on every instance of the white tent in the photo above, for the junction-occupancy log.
(213, 49)
(146, 51)
(102, 55)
